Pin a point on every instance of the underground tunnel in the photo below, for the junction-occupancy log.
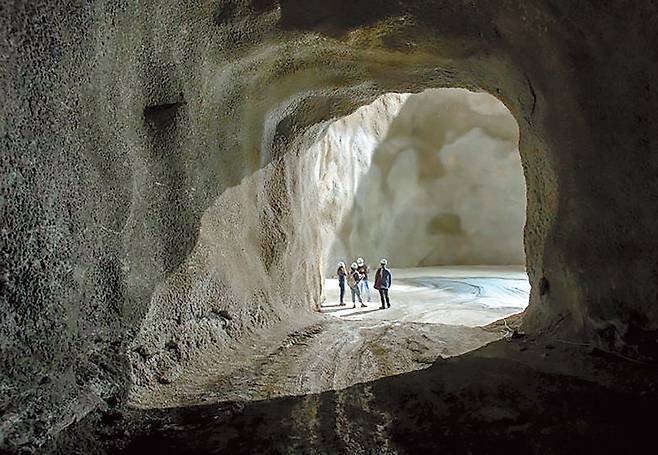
(166, 238)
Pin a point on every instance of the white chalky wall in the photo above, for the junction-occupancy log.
(426, 179)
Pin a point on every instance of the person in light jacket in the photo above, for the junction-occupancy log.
(353, 280)
(383, 280)
(363, 269)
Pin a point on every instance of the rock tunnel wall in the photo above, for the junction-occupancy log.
(127, 128)
(427, 179)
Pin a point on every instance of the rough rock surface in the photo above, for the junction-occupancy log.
(126, 125)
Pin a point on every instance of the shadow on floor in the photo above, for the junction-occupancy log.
(498, 399)
(370, 309)
(331, 306)
(336, 309)
(357, 313)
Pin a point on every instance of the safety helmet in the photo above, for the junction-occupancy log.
(360, 261)
(341, 264)
(383, 262)
(353, 266)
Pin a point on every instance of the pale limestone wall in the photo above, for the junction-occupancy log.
(427, 179)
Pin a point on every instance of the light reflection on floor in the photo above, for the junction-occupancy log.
(465, 295)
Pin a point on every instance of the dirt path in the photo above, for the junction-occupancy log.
(367, 383)
(434, 314)
(337, 355)
(330, 355)
(487, 401)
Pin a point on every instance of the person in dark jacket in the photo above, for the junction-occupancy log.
(383, 280)
(342, 275)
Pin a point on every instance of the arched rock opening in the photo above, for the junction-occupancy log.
(427, 179)
(154, 161)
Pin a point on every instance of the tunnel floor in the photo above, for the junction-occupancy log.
(329, 354)
(470, 296)
(517, 396)
(363, 384)
(436, 313)
(368, 385)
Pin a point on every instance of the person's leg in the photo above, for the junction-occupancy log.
(342, 292)
(354, 290)
(367, 286)
(381, 297)
(388, 300)
(358, 294)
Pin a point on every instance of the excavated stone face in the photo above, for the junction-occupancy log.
(154, 172)
(427, 179)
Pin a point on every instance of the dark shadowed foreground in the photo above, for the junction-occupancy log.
(514, 396)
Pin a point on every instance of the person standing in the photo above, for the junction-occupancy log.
(342, 275)
(362, 267)
(383, 280)
(353, 280)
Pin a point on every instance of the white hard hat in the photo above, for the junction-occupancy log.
(353, 265)
(359, 261)
(383, 262)
(341, 264)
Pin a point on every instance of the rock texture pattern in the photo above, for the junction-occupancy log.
(127, 247)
